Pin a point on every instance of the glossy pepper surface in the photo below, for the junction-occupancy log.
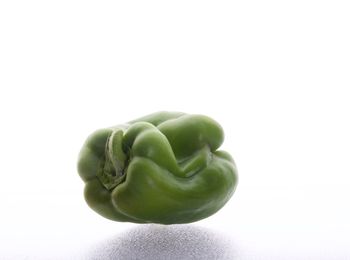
(162, 168)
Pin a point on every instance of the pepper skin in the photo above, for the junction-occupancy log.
(162, 168)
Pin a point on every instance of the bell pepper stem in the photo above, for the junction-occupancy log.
(112, 169)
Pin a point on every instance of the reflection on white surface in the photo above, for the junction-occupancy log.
(165, 242)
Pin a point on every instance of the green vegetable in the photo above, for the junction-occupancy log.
(162, 168)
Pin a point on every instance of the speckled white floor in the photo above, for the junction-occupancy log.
(151, 242)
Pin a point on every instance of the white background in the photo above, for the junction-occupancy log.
(275, 74)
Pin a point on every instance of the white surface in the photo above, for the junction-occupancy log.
(275, 74)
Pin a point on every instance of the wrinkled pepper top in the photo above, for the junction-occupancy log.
(162, 168)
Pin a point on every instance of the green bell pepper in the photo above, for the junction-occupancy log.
(162, 168)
